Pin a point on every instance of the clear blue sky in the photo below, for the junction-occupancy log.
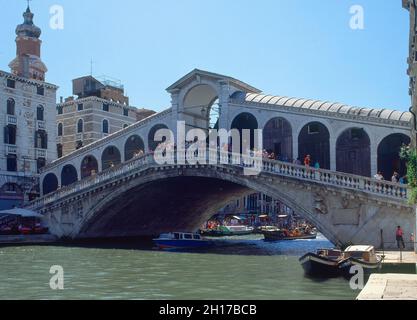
(297, 48)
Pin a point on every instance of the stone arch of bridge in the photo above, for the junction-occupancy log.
(140, 207)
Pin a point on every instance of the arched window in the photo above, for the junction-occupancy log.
(80, 126)
(11, 107)
(40, 113)
(105, 126)
(60, 130)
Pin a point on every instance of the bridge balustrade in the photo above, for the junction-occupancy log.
(224, 158)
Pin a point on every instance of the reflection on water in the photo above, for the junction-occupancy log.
(245, 268)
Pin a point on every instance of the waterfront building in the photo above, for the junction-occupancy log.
(100, 108)
(27, 116)
(411, 6)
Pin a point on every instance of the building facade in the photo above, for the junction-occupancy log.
(100, 109)
(411, 6)
(27, 116)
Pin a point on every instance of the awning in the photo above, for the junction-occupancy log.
(22, 213)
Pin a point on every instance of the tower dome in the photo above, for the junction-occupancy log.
(28, 29)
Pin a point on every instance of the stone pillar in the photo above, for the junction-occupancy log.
(333, 153)
(224, 105)
(374, 158)
(295, 154)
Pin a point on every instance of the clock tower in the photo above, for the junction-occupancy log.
(28, 63)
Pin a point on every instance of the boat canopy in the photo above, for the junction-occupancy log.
(360, 249)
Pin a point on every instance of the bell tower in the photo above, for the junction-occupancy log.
(28, 63)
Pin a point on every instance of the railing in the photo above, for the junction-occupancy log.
(11, 119)
(11, 149)
(216, 158)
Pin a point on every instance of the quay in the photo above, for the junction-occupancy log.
(397, 257)
(27, 239)
(390, 287)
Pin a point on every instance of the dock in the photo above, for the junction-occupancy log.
(397, 257)
(390, 287)
(27, 239)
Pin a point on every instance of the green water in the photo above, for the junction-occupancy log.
(249, 269)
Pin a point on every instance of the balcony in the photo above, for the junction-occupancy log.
(41, 153)
(11, 120)
(40, 125)
(11, 149)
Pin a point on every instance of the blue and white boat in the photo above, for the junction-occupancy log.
(182, 240)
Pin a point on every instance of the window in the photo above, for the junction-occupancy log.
(78, 145)
(40, 163)
(11, 163)
(59, 109)
(11, 107)
(106, 107)
(41, 139)
(11, 188)
(80, 107)
(40, 90)
(11, 83)
(80, 126)
(60, 130)
(126, 112)
(10, 134)
(105, 126)
(313, 128)
(59, 150)
(40, 113)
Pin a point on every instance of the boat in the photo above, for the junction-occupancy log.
(181, 240)
(285, 235)
(322, 264)
(227, 231)
(364, 257)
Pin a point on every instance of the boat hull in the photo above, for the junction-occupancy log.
(320, 267)
(182, 244)
(345, 267)
(270, 236)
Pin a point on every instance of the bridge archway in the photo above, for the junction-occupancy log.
(152, 144)
(111, 157)
(353, 152)
(245, 120)
(389, 155)
(133, 145)
(49, 184)
(69, 175)
(201, 107)
(137, 209)
(277, 138)
(89, 166)
(314, 140)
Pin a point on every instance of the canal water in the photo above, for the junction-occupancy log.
(245, 268)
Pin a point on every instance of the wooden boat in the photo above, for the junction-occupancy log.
(364, 257)
(227, 231)
(181, 240)
(285, 235)
(323, 264)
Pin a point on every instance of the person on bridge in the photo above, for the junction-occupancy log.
(400, 237)
(307, 161)
(379, 176)
(395, 177)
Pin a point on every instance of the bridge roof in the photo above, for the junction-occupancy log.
(218, 77)
(327, 106)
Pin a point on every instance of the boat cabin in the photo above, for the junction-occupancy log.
(332, 254)
(365, 253)
(180, 236)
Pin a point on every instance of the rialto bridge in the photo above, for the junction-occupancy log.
(104, 190)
